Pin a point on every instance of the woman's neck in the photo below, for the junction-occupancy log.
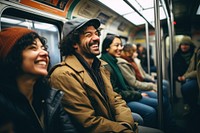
(25, 85)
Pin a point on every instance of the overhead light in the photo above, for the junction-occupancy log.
(142, 4)
(124, 10)
(135, 18)
(149, 15)
(118, 6)
(144, 7)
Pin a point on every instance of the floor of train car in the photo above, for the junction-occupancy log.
(189, 123)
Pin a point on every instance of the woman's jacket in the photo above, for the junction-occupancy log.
(129, 74)
(15, 107)
(145, 75)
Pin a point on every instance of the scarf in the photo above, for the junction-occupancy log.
(187, 57)
(135, 67)
(113, 64)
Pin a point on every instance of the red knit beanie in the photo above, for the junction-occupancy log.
(9, 37)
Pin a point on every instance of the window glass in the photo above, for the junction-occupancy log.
(47, 30)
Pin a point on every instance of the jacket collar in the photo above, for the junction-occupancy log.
(73, 63)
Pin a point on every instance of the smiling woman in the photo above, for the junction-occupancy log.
(35, 58)
(24, 90)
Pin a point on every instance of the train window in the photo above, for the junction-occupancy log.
(47, 30)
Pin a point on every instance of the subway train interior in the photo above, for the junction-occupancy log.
(158, 25)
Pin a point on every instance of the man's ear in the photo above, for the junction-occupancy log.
(75, 45)
(107, 49)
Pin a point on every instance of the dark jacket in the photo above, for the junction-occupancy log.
(16, 108)
(180, 64)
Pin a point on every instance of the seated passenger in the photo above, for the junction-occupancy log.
(89, 97)
(182, 57)
(111, 49)
(137, 80)
(122, 73)
(145, 76)
(26, 99)
(130, 72)
(181, 60)
(190, 88)
(142, 55)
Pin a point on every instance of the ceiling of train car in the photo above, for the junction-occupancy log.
(184, 12)
(185, 15)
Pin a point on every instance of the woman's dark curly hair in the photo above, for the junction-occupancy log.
(11, 66)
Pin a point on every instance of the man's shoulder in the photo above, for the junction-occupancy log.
(58, 68)
(70, 65)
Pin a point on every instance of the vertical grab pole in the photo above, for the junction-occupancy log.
(148, 49)
(172, 42)
(159, 63)
(171, 58)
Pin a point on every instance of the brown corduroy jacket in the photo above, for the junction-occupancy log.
(89, 110)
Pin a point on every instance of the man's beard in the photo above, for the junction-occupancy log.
(90, 55)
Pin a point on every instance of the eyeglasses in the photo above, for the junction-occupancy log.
(117, 45)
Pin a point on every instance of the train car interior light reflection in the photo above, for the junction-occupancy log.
(29, 23)
(145, 8)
